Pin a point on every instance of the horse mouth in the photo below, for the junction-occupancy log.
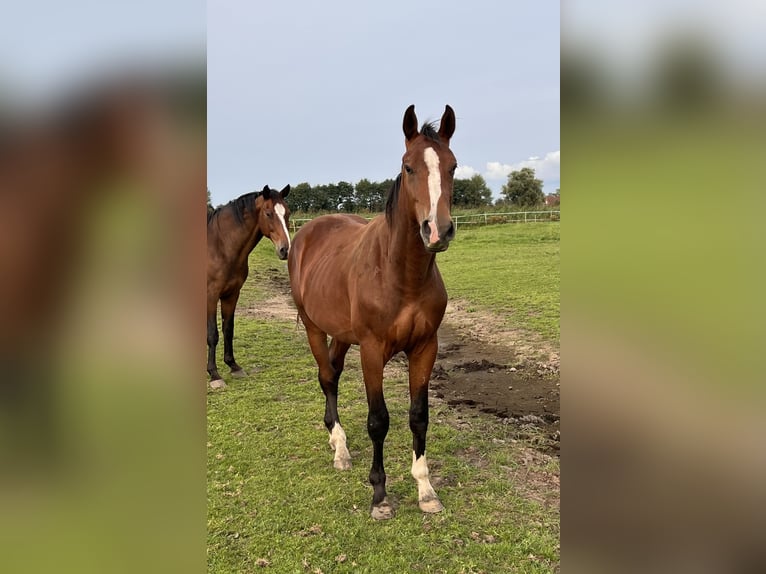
(437, 247)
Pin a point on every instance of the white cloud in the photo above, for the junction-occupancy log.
(465, 172)
(546, 168)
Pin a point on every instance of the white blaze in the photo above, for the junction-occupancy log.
(434, 189)
(280, 209)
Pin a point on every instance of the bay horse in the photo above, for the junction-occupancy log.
(376, 285)
(233, 231)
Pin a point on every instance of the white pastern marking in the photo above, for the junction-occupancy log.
(420, 474)
(280, 209)
(434, 188)
(338, 444)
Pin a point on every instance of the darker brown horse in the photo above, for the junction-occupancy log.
(233, 231)
(376, 285)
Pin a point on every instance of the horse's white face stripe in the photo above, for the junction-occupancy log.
(434, 180)
(280, 210)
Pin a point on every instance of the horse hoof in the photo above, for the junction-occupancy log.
(217, 384)
(431, 506)
(239, 374)
(342, 464)
(382, 511)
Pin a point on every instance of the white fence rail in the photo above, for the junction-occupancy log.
(490, 218)
(509, 217)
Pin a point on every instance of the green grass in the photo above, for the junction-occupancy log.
(275, 503)
(511, 270)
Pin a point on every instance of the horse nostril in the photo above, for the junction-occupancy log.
(425, 229)
(451, 231)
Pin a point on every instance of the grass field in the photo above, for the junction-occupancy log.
(511, 270)
(276, 503)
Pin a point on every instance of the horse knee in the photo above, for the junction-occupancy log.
(212, 338)
(377, 424)
(328, 380)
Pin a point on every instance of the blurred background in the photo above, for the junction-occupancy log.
(102, 172)
(663, 320)
(102, 185)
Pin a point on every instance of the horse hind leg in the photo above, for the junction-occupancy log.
(228, 305)
(330, 362)
(216, 382)
(342, 460)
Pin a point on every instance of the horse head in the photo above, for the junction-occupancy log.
(273, 217)
(428, 170)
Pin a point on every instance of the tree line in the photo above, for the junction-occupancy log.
(522, 190)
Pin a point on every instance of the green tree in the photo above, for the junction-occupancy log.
(300, 198)
(472, 192)
(523, 189)
(344, 197)
(371, 195)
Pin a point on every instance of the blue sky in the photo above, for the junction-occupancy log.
(48, 47)
(316, 91)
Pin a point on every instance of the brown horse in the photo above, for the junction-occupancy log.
(376, 285)
(233, 231)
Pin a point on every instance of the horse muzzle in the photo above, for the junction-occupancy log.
(282, 251)
(435, 237)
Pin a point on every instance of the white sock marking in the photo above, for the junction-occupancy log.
(420, 474)
(434, 188)
(280, 209)
(338, 443)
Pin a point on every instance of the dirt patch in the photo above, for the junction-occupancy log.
(496, 380)
(280, 306)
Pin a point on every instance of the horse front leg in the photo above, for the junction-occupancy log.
(228, 305)
(421, 362)
(212, 341)
(373, 361)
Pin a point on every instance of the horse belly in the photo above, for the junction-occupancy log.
(333, 320)
(319, 271)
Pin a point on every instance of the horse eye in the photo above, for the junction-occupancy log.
(452, 171)
(407, 168)
(268, 214)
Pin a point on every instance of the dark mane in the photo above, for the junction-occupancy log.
(393, 198)
(240, 206)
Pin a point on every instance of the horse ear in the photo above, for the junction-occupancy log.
(285, 191)
(266, 193)
(447, 124)
(410, 123)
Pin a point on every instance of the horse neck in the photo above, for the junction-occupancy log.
(242, 238)
(407, 256)
(253, 233)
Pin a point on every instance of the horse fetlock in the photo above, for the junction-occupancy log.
(342, 462)
(337, 443)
